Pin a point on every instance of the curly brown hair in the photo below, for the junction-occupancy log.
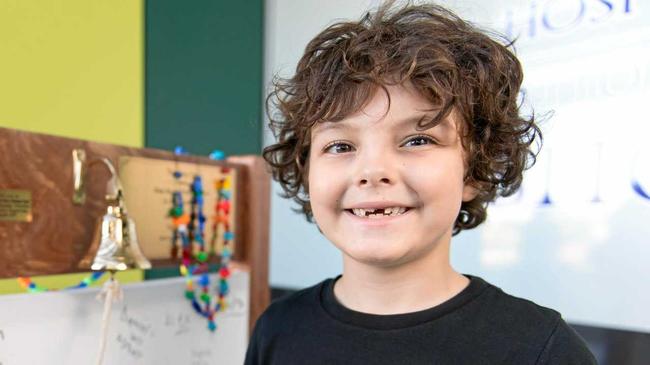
(446, 59)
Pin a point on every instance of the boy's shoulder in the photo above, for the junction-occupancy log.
(516, 309)
(291, 308)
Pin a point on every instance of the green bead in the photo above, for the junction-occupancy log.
(202, 256)
(189, 294)
(205, 297)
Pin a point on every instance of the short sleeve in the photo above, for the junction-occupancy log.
(565, 346)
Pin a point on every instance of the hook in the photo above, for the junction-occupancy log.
(80, 167)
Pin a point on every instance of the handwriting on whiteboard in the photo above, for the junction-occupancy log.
(133, 340)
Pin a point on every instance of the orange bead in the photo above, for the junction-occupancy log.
(184, 219)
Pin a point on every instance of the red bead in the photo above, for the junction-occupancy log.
(224, 272)
(224, 206)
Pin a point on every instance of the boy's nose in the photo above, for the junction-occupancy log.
(376, 171)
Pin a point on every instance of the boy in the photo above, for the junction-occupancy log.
(394, 134)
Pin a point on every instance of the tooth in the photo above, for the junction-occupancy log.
(394, 210)
(357, 211)
(401, 210)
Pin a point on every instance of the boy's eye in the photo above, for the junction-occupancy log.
(338, 147)
(419, 141)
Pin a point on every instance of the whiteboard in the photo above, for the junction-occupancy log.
(153, 324)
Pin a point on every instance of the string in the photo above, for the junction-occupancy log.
(110, 292)
(29, 285)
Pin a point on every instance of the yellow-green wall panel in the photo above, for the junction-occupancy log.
(56, 282)
(73, 68)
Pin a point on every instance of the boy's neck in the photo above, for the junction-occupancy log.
(419, 285)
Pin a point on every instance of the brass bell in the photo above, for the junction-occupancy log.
(115, 243)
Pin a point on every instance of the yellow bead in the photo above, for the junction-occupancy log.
(227, 183)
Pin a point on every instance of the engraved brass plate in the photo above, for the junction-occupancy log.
(16, 205)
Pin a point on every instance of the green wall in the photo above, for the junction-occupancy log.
(204, 75)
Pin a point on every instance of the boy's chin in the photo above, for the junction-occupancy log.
(380, 258)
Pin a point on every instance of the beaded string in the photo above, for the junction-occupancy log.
(190, 229)
(180, 219)
(206, 309)
(201, 267)
(27, 284)
(196, 214)
(222, 217)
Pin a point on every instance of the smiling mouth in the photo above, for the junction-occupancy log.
(378, 213)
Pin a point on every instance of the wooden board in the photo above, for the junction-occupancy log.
(60, 232)
(148, 186)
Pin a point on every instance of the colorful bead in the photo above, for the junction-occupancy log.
(204, 280)
(217, 155)
(179, 150)
(224, 272)
(223, 287)
(202, 256)
(212, 326)
(227, 183)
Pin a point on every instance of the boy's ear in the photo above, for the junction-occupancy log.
(469, 192)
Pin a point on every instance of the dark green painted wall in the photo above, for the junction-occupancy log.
(203, 73)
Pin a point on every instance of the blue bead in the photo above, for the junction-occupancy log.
(179, 150)
(217, 155)
(223, 287)
(32, 285)
(228, 236)
(178, 174)
(225, 194)
(212, 326)
(204, 280)
(196, 306)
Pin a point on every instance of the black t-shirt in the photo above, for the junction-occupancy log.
(480, 325)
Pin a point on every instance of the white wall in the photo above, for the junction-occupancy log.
(588, 62)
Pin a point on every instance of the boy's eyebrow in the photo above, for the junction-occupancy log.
(410, 120)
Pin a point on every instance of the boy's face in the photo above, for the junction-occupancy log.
(374, 159)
